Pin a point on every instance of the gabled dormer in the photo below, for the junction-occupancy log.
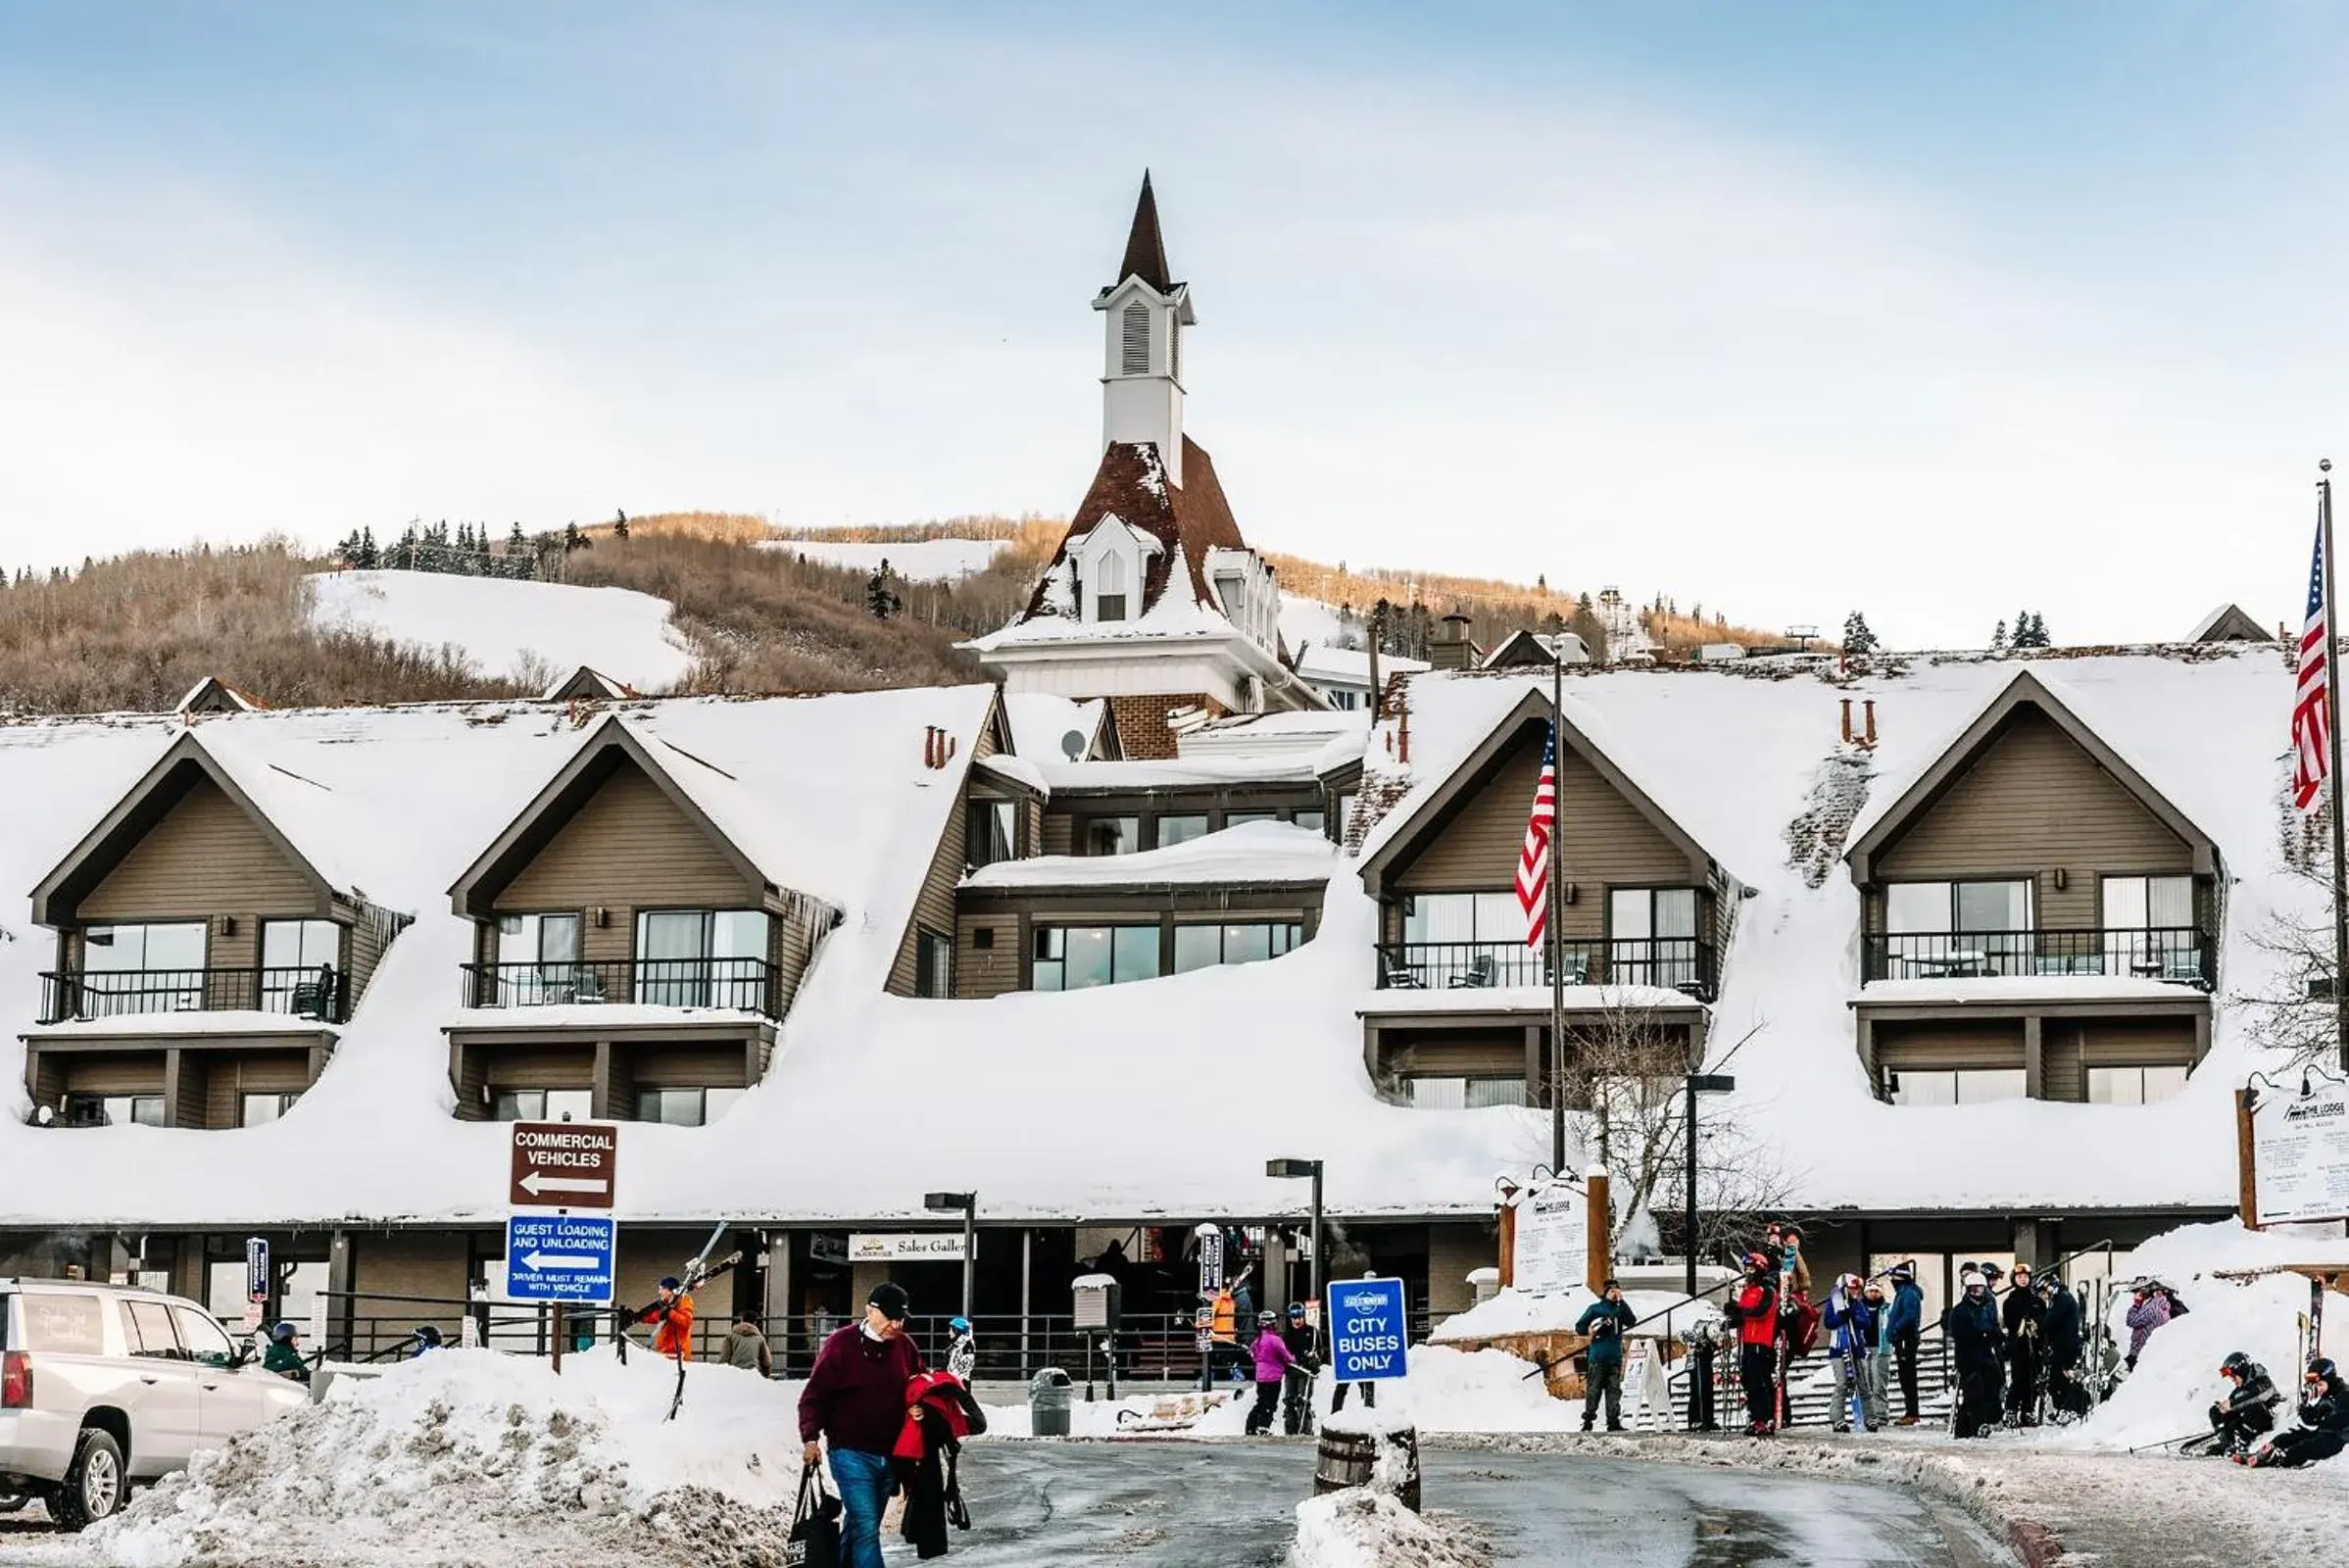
(1111, 565)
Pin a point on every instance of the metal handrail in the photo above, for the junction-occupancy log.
(305, 991)
(2186, 955)
(747, 985)
(1671, 963)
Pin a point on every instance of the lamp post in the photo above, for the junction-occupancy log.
(968, 1202)
(1699, 1083)
(1289, 1169)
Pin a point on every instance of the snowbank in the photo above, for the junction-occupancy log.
(2177, 1378)
(498, 624)
(1362, 1529)
(1479, 1391)
(441, 1458)
(1515, 1311)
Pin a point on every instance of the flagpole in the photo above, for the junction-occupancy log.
(1557, 945)
(2332, 779)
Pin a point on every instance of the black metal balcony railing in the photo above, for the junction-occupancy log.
(318, 992)
(1673, 964)
(2183, 955)
(745, 984)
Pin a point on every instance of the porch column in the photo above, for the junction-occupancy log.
(603, 1091)
(1027, 1266)
(2026, 1241)
(2035, 1074)
(776, 1308)
(171, 1087)
(342, 1271)
(1538, 1087)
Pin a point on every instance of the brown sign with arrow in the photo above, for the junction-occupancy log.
(563, 1164)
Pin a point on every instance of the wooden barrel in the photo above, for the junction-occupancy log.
(1386, 1460)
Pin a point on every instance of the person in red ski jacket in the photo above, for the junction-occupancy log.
(940, 1413)
(1755, 1311)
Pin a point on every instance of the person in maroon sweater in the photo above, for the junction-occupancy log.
(854, 1404)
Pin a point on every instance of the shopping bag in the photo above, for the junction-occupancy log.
(814, 1540)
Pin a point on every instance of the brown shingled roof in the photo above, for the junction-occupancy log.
(1146, 249)
(1188, 520)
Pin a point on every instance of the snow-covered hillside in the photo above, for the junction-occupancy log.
(916, 560)
(500, 624)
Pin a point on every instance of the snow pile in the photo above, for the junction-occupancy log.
(1479, 1391)
(913, 559)
(442, 1458)
(505, 627)
(1661, 1315)
(2177, 1378)
(1362, 1529)
(1221, 1414)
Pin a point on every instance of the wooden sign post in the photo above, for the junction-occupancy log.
(1598, 1246)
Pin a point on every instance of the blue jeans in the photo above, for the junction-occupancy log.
(865, 1487)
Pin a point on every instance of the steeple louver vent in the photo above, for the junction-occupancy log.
(1134, 351)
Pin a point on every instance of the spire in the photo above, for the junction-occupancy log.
(1146, 249)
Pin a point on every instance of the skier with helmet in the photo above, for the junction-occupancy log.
(2324, 1428)
(1754, 1311)
(1305, 1350)
(1273, 1366)
(1974, 1337)
(2244, 1413)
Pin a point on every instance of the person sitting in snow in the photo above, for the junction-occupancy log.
(2246, 1411)
(2148, 1309)
(284, 1357)
(2323, 1426)
(1605, 1321)
(1273, 1366)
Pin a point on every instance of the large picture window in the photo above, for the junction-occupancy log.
(702, 958)
(1078, 957)
(153, 968)
(2149, 930)
(1960, 1085)
(542, 1105)
(1936, 930)
(1112, 835)
(2133, 1086)
(300, 961)
(1464, 1094)
(1203, 947)
(1464, 939)
(1652, 937)
(994, 832)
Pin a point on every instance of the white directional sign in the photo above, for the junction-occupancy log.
(560, 1258)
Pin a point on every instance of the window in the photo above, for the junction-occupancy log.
(298, 963)
(1243, 819)
(702, 958)
(1464, 1094)
(1962, 1086)
(1937, 930)
(934, 964)
(61, 1324)
(1203, 947)
(538, 963)
(1342, 699)
(141, 969)
(1466, 939)
(993, 832)
(685, 1107)
(2133, 1086)
(1134, 339)
(256, 1111)
(206, 1342)
(1182, 829)
(1078, 957)
(1109, 586)
(147, 1330)
(1112, 835)
(2149, 928)
(543, 1105)
(1310, 820)
(1653, 932)
(113, 1111)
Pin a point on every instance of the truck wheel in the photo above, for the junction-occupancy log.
(93, 1487)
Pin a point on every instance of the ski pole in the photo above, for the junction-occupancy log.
(2170, 1443)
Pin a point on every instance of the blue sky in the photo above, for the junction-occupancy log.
(1783, 310)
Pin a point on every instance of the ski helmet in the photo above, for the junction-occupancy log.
(285, 1333)
(427, 1336)
(1265, 1320)
(1296, 1309)
(958, 1324)
(2237, 1365)
(2321, 1368)
(1756, 1262)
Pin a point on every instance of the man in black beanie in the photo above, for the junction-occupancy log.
(854, 1403)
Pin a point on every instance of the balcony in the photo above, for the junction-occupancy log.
(1672, 963)
(742, 984)
(318, 993)
(2181, 954)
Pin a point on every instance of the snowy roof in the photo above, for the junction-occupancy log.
(1327, 661)
(1279, 767)
(1251, 854)
(213, 694)
(1041, 723)
(2228, 623)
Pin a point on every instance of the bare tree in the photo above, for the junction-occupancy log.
(1624, 1083)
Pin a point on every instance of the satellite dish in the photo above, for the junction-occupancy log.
(1073, 745)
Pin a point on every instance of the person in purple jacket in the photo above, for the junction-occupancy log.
(854, 1404)
(1273, 1363)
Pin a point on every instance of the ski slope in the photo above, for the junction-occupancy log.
(499, 625)
(915, 559)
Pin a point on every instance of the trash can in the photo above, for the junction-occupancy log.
(1048, 1403)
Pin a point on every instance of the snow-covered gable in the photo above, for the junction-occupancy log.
(1041, 724)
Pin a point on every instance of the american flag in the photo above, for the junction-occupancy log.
(2311, 716)
(1532, 865)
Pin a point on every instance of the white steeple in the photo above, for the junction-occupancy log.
(1142, 316)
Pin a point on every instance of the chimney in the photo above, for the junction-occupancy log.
(1449, 647)
(1869, 706)
(1848, 737)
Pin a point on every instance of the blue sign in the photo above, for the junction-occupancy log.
(257, 1269)
(1366, 1328)
(560, 1258)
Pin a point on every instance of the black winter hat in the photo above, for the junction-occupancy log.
(891, 1298)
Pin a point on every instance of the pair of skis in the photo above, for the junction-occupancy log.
(698, 1271)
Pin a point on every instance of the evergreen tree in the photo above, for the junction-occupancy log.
(1999, 638)
(2029, 630)
(1553, 623)
(878, 597)
(1540, 582)
(619, 526)
(1582, 606)
(573, 538)
(1857, 638)
(517, 543)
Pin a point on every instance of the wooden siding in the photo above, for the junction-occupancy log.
(227, 1081)
(1926, 1045)
(2031, 803)
(987, 971)
(796, 934)
(204, 857)
(1060, 833)
(431, 1265)
(370, 934)
(540, 1067)
(627, 848)
(1604, 840)
(934, 905)
(126, 1073)
(2073, 1046)
(714, 1066)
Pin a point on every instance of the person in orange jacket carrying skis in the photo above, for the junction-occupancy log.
(672, 1313)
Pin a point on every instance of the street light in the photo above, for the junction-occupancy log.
(1699, 1083)
(1289, 1169)
(968, 1202)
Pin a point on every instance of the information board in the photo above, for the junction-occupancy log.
(560, 1258)
(2300, 1154)
(1552, 1233)
(1367, 1329)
